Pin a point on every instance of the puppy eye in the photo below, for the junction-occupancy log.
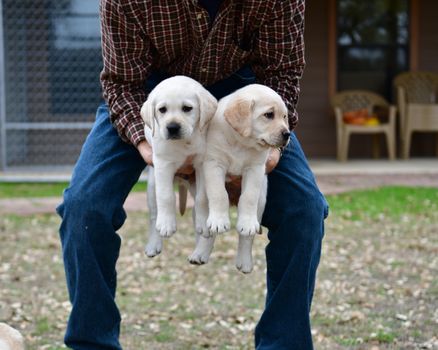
(269, 115)
(162, 109)
(285, 116)
(187, 108)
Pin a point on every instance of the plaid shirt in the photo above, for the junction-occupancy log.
(177, 37)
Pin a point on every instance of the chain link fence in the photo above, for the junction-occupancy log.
(50, 63)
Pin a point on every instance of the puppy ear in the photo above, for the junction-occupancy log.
(207, 108)
(147, 113)
(238, 115)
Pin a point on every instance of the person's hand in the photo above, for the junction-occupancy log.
(273, 159)
(145, 150)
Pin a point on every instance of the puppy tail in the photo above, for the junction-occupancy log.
(182, 198)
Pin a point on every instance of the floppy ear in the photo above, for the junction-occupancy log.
(147, 112)
(238, 115)
(207, 108)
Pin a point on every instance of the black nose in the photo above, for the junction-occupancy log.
(286, 135)
(173, 129)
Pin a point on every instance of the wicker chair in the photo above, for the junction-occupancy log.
(358, 99)
(417, 97)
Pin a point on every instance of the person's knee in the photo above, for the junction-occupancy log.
(83, 209)
(301, 222)
(311, 216)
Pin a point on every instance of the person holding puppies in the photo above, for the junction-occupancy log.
(224, 45)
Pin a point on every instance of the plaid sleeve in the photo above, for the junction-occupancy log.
(126, 65)
(279, 53)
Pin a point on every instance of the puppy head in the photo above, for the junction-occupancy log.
(257, 112)
(177, 106)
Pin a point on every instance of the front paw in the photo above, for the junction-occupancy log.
(166, 226)
(247, 225)
(218, 223)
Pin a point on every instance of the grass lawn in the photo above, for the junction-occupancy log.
(33, 189)
(376, 286)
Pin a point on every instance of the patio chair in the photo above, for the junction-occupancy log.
(417, 98)
(351, 100)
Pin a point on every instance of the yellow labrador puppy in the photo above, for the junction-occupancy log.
(176, 116)
(247, 124)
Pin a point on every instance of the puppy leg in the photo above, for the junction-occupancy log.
(204, 246)
(244, 254)
(155, 242)
(262, 199)
(201, 204)
(252, 182)
(166, 208)
(218, 204)
(244, 250)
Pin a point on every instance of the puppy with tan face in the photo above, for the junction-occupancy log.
(246, 125)
(176, 115)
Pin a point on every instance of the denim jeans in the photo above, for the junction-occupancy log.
(92, 212)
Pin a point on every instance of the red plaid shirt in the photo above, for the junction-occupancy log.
(176, 36)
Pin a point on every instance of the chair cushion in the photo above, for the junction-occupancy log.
(361, 117)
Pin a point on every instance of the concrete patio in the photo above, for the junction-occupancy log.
(321, 167)
(332, 177)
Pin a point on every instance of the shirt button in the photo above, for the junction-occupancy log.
(199, 16)
(203, 70)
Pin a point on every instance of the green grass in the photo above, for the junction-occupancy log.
(33, 189)
(347, 341)
(394, 202)
(42, 326)
(385, 337)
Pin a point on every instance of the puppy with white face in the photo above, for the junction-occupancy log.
(176, 116)
(246, 125)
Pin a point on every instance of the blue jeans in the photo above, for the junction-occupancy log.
(92, 212)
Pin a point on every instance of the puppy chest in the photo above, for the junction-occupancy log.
(238, 161)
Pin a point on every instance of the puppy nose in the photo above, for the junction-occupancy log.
(286, 135)
(173, 129)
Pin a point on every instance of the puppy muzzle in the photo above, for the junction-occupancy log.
(173, 131)
(286, 137)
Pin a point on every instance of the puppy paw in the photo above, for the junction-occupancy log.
(166, 226)
(199, 258)
(247, 226)
(218, 224)
(244, 263)
(152, 249)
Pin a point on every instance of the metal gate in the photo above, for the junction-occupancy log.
(50, 61)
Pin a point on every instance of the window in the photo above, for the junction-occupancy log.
(372, 43)
(52, 60)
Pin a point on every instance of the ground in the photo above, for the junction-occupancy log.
(376, 285)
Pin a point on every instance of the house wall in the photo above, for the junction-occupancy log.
(316, 129)
(424, 143)
(428, 37)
